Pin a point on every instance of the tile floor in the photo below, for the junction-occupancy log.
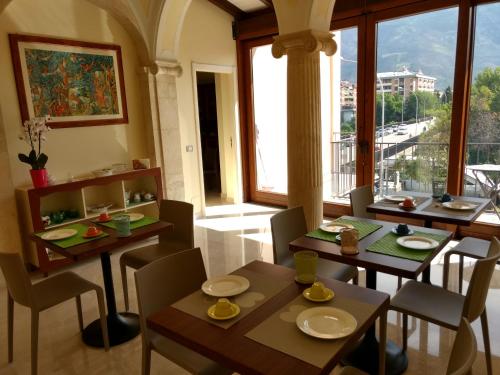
(230, 236)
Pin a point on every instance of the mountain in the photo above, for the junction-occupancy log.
(427, 42)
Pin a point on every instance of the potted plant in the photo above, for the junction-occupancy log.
(33, 133)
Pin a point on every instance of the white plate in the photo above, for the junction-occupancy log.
(417, 242)
(334, 227)
(225, 286)
(396, 198)
(134, 216)
(326, 322)
(59, 234)
(459, 205)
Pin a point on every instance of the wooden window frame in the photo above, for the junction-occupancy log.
(365, 15)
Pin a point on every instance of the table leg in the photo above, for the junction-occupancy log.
(426, 274)
(367, 354)
(122, 327)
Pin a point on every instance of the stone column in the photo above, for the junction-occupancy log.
(305, 182)
(164, 137)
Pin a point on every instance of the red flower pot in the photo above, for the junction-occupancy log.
(39, 177)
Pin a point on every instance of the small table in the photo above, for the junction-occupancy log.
(121, 326)
(232, 349)
(363, 357)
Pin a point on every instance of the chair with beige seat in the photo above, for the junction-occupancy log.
(467, 247)
(289, 225)
(361, 198)
(462, 355)
(179, 275)
(42, 295)
(181, 238)
(442, 307)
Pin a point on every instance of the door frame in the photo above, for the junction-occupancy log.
(217, 69)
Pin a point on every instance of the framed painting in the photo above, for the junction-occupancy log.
(75, 83)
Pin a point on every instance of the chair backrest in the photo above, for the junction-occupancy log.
(17, 279)
(360, 198)
(464, 350)
(480, 282)
(166, 280)
(181, 215)
(286, 226)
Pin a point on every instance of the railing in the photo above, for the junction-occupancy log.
(406, 165)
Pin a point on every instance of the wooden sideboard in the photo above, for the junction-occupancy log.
(80, 198)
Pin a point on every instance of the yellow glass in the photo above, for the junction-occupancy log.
(305, 265)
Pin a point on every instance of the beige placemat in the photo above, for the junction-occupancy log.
(262, 288)
(280, 331)
(438, 208)
(386, 203)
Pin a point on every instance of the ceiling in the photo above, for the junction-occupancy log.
(241, 8)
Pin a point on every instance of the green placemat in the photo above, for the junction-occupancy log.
(387, 245)
(363, 227)
(76, 239)
(146, 220)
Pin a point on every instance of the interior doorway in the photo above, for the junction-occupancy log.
(218, 147)
(209, 137)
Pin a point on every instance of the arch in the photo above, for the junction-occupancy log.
(129, 19)
(168, 27)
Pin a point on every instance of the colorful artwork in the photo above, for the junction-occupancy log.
(76, 83)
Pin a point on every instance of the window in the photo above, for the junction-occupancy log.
(482, 159)
(413, 120)
(338, 118)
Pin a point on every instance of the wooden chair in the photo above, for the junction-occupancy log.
(445, 308)
(181, 238)
(178, 275)
(42, 295)
(289, 225)
(462, 356)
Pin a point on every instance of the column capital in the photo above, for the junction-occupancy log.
(308, 40)
(172, 68)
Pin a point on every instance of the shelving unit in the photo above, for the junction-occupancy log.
(78, 196)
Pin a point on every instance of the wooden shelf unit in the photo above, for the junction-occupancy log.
(78, 195)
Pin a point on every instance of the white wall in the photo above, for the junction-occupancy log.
(206, 38)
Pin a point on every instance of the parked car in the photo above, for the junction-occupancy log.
(402, 130)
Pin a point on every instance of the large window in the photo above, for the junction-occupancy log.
(338, 118)
(414, 85)
(482, 159)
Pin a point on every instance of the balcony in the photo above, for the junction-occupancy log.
(415, 166)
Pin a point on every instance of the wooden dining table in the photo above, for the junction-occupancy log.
(363, 357)
(430, 209)
(234, 348)
(122, 326)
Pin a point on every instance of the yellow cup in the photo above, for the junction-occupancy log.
(223, 308)
(305, 265)
(317, 290)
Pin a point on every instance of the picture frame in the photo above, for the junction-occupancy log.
(76, 83)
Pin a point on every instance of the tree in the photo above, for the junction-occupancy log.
(484, 118)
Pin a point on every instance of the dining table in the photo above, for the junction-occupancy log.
(431, 210)
(378, 251)
(122, 326)
(265, 338)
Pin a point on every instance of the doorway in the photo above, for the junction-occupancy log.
(217, 134)
(209, 138)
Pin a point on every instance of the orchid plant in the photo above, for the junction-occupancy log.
(33, 133)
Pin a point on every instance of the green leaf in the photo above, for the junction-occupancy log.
(32, 157)
(24, 158)
(42, 160)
